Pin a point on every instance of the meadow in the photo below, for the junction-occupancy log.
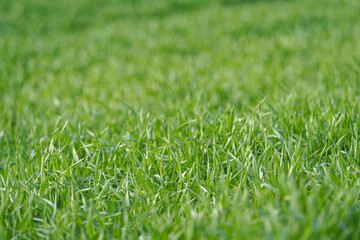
(179, 119)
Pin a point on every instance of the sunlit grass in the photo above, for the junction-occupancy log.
(179, 119)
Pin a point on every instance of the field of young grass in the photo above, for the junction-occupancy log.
(180, 119)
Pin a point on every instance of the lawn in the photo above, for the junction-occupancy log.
(180, 119)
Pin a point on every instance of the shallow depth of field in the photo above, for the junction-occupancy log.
(219, 119)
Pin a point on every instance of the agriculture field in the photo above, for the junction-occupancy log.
(219, 119)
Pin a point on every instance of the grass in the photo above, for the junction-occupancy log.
(179, 119)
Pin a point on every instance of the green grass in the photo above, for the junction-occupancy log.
(219, 119)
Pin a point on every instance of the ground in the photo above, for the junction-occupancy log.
(219, 119)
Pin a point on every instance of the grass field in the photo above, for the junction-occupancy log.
(219, 119)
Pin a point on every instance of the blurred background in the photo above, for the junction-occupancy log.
(99, 60)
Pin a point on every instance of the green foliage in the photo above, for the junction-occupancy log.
(179, 119)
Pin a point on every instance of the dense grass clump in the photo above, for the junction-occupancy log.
(220, 119)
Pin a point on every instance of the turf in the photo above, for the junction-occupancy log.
(219, 119)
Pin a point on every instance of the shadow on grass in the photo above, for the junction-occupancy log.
(172, 8)
(248, 2)
(184, 7)
(179, 7)
(42, 18)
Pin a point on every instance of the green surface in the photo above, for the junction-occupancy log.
(180, 119)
